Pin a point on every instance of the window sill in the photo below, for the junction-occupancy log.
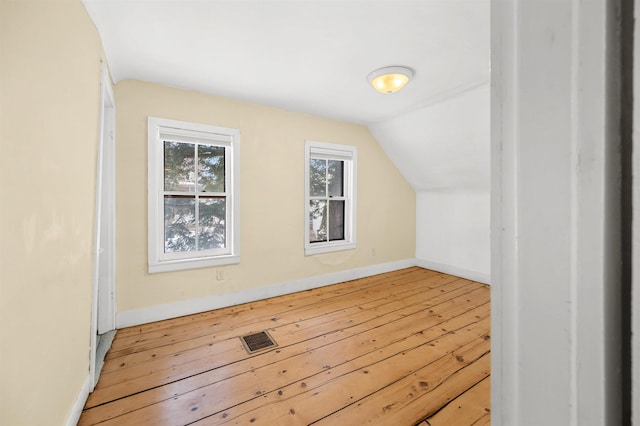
(328, 248)
(182, 264)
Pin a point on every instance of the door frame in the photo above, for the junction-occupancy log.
(103, 291)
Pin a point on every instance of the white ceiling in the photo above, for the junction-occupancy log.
(305, 55)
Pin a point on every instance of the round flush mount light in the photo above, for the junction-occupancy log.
(390, 79)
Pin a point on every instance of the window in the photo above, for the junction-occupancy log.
(330, 197)
(193, 195)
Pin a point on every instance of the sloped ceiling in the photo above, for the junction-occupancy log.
(444, 146)
(314, 56)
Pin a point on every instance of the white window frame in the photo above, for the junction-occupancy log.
(159, 261)
(348, 154)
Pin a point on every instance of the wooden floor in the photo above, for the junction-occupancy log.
(403, 348)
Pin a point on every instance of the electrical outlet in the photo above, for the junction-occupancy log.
(219, 275)
(373, 251)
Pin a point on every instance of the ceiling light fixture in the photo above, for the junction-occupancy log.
(390, 79)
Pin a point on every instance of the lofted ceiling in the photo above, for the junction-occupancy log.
(314, 56)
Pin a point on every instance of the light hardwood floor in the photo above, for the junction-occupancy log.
(402, 348)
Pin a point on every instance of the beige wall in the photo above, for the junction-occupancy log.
(272, 208)
(49, 98)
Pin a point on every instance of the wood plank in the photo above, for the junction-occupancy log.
(328, 332)
(483, 421)
(290, 333)
(468, 408)
(198, 347)
(421, 393)
(183, 332)
(289, 300)
(222, 326)
(270, 378)
(345, 385)
(396, 348)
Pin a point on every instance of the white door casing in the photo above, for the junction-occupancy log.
(103, 294)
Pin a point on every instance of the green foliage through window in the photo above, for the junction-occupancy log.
(326, 203)
(195, 199)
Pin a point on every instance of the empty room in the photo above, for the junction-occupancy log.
(320, 212)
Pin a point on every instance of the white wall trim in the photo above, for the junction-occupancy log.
(78, 405)
(349, 156)
(159, 129)
(477, 276)
(504, 211)
(635, 250)
(194, 306)
(554, 235)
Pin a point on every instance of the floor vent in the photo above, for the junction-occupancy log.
(257, 341)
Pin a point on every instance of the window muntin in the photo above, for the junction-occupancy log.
(330, 175)
(193, 204)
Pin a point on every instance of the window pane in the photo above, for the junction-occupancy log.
(179, 223)
(336, 220)
(210, 168)
(179, 166)
(317, 177)
(212, 223)
(317, 221)
(335, 177)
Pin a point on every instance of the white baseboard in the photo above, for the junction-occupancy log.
(194, 306)
(480, 277)
(78, 405)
